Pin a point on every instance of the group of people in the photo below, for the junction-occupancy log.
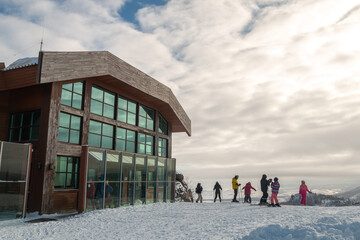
(264, 183)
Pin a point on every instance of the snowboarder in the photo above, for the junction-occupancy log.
(264, 183)
(275, 186)
(248, 188)
(218, 190)
(198, 190)
(303, 190)
(235, 186)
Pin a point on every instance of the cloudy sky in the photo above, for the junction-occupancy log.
(271, 86)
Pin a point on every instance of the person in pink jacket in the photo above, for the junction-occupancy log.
(303, 190)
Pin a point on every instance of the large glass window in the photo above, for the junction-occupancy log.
(71, 94)
(95, 180)
(151, 178)
(24, 126)
(126, 111)
(14, 160)
(66, 172)
(69, 128)
(151, 169)
(161, 169)
(140, 180)
(112, 184)
(145, 144)
(125, 140)
(127, 184)
(162, 151)
(101, 135)
(102, 102)
(170, 169)
(146, 117)
(163, 125)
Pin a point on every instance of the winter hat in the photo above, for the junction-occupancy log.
(275, 179)
(302, 181)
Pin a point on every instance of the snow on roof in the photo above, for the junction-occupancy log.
(23, 62)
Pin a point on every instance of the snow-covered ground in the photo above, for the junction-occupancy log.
(208, 220)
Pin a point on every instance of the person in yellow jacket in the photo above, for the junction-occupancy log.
(235, 186)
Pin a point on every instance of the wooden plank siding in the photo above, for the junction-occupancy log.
(18, 78)
(65, 201)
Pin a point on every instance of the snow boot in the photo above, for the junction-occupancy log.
(271, 205)
(277, 205)
(234, 200)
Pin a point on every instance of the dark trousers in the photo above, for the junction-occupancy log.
(235, 194)
(264, 197)
(247, 198)
(216, 195)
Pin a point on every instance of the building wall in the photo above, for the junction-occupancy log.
(19, 101)
(71, 200)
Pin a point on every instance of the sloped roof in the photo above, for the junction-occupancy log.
(23, 62)
(104, 66)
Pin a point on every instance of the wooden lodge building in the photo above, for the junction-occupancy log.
(100, 130)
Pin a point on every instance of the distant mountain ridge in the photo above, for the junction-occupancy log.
(353, 195)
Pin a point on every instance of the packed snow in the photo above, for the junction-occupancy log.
(206, 220)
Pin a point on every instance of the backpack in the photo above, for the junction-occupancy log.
(198, 189)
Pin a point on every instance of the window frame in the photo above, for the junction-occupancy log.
(101, 134)
(21, 127)
(147, 117)
(163, 141)
(103, 103)
(70, 128)
(163, 122)
(74, 172)
(126, 139)
(127, 111)
(147, 146)
(72, 91)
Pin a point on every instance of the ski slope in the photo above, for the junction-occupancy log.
(208, 220)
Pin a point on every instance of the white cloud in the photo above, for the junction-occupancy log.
(269, 85)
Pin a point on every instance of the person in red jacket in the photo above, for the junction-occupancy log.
(248, 188)
(303, 190)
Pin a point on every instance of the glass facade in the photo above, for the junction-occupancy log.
(71, 94)
(66, 172)
(95, 180)
(24, 126)
(14, 163)
(127, 179)
(146, 117)
(69, 128)
(102, 102)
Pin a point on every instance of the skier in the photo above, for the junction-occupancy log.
(248, 188)
(275, 186)
(198, 190)
(303, 190)
(235, 186)
(218, 190)
(264, 183)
